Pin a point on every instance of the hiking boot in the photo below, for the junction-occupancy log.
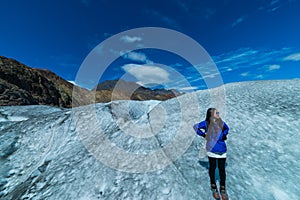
(215, 192)
(223, 192)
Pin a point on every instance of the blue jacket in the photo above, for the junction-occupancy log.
(215, 142)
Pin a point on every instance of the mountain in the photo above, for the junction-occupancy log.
(149, 150)
(22, 85)
(120, 90)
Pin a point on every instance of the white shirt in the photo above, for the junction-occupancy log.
(214, 155)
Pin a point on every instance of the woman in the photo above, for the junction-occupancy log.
(215, 131)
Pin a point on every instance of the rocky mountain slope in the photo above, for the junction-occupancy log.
(22, 85)
(121, 90)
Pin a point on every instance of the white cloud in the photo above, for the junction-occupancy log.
(245, 74)
(293, 57)
(211, 75)
(131, 55)
(188, 88)
(130, 39)
(260, 76)
(226, 69)
(273, 67)
(136, 57)
(147, 74)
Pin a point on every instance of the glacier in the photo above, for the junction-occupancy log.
(148, 149)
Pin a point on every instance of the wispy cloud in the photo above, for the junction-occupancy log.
(254, 63)
(184, 6)
(238, 21)
(147, 74)
(203, 10)
(293, 57)
(260, 72)
(249, 58)
(253, 75)
(209, 12)
(274, 2)
(130, 39)
(170, 21)
(238, 56)
(166, 19)
(273, 67)
(273, 5)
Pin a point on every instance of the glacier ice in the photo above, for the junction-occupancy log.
(54, 153)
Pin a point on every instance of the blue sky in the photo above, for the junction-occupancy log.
(247, 40)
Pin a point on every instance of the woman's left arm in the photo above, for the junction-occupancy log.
(225, 129)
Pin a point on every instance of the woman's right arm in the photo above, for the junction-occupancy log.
(199, 127)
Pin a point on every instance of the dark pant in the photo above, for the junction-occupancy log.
(212, 169)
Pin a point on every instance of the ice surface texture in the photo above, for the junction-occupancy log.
(44, 157)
